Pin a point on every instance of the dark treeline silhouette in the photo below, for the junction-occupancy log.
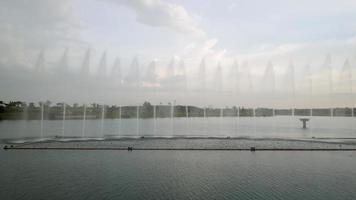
(17, 110)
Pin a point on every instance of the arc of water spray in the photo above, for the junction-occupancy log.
(102, 70)
(42, 118)
(202, 72)
(116, 74)
(63, 62)
(154, 120)
(235, 73)
(291, 78)
(310, 87)
(102, 120)
(172, 117)
(86, 64)
(63, 118)
(187, 117)
(218, 82)
(151, 78)
(120, 118)
(292, 81)
(40, 68)
(221, 119)
(251, 89)
(84, 119)
(348, 70)
(138, 120)
(270, 73)
(327, 65)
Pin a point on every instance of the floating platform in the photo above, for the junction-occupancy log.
(207, 144)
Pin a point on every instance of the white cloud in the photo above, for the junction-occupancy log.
(158, 13)
(26, 26)
(205, 48)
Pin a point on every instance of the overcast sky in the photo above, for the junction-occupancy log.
(253, 31)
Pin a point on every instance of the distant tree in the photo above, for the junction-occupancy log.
(2, 106)
(31, 105)
(14, 104)
(146, 104)
(47, 103)
(23, 104)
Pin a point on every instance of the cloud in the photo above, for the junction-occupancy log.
(206, 48)
(158, 13)
(33, 25)
(266, 51)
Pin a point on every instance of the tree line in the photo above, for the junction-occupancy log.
(18, 110)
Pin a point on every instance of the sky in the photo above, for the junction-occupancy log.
(226, 33)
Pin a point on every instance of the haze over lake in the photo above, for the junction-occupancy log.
(167, 99)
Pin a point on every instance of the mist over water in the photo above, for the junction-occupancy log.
(221, 84)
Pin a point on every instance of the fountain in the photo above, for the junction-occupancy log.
(187, 117)
(40, 70)
(132, 80)
(202, 80)
(345, 85)
(291, 80)
(251, 92)
(309, 87)
(234, 73)
(221, 119)
(84, 71)
(120, 120)
(182, 73)
(42, 118)
(219, 79)
(83, 120)
(290, 74)
(116, 74)
(40, 66)
(248, 99)
(62, 67)
(133, 76)
(234, 76)
(268, 84)
(172, 118)
(328, 67)
(63, 118)
(102, 120)
(154, 120)
(171, 68)
(102, 70)
(219, 88)
(138, 120)
(150, 81)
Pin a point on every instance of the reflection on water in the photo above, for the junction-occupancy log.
(281, 127)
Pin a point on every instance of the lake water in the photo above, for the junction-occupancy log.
(259, 127)
(177, 175)
(109, 174)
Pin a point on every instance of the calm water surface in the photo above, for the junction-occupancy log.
(177, 175)
(282, 127)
